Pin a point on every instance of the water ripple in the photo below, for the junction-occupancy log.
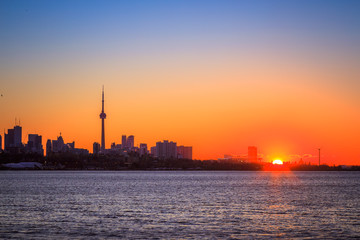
(158, 205)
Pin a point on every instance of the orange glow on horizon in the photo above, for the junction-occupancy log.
(277, 162)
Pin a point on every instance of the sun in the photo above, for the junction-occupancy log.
(277, 161)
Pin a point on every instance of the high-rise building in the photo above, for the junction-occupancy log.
(58, 145)
(9, 140)
(123, 141)
(0, 142)
(34, 144)
(130, 142)
(180, 151)
(48, 147)
(96, 148)
(153, 151)
(102, 117)
(184, 152)
(143, 149)
(13, 139)
(252, 154)
(166, 149)
(18, 136)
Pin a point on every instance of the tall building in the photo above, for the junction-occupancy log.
(252, 154)
(0, 142)
(143, 149)
(153, 151)
(13, 139)
(58, 145)
(184, 152)
(34, 144)
(123, 141)
(48, 147)
(18, 136)
(96, 148)
(9, 140)
(166, 149)
(102, 117)
(130, 142)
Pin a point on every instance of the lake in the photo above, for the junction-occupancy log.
(179, 204)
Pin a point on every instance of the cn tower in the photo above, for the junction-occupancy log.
(102, 117)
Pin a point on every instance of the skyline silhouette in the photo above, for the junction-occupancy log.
(166, 150)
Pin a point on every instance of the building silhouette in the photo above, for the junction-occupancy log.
(59, 146)
(143, 149)
(116, 147)
(130, 142)
(34, 144)
(184, 152)
(48, 147)
(123, 141)
(153, 151)
(102, 117)
(13, 140)
(166, 150)
(0, 143)
(96, 148)
(252, 154)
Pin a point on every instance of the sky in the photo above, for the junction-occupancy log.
(216, 75)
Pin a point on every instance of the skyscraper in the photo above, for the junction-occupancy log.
(48, 147)
(153, 151)
(96, 148)
(34, 144)
(130, 142)
(123, 142)
(102, 117)
(143, 149)
(17, 136)
(0, 143)
(166, 149)
(58, 145)
(13, 138)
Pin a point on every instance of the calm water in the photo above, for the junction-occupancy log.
(216, 205)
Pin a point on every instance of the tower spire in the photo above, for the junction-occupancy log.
(102, 98)
(102, 117)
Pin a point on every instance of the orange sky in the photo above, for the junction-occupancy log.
(218, 111)
(286, 91)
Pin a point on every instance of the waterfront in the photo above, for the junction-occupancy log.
(179, 204)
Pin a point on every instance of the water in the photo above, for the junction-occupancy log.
(215, 205)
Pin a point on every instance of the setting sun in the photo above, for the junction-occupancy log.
(277, 161)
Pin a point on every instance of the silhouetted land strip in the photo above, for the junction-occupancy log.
(69, 161)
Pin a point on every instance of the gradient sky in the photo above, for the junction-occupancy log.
(217, 75)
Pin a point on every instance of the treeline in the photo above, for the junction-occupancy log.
(132, 161)
(21, 157)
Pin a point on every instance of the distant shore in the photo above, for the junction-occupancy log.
(133, 161)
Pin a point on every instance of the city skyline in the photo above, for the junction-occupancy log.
(216, 75)
(162, 150)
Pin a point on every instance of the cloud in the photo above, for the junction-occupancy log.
(305, 156)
